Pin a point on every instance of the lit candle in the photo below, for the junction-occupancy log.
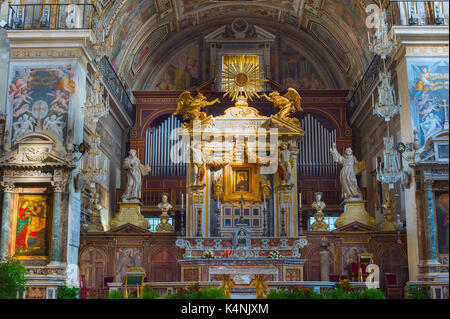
(182, 200)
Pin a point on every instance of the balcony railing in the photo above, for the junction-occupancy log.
(52, 16)
(418, 13)
(115, 85)
(151, 197)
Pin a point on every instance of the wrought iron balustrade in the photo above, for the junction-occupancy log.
(115, 85)
(417, 13)
(52, 16)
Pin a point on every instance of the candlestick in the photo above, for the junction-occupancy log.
(300, 200)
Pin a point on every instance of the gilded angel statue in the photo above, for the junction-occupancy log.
(288, 103)
(190, 107)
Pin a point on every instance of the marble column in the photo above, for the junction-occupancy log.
(428, 219)
(8, 188)
(56, 226)
(324, 261)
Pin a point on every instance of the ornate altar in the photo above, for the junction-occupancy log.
(237, 168)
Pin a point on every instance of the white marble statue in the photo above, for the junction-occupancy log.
(23, 125)
(350, 189)
(199, 161)
(164, 206)
(135, 170)
(55, 125)
(285, 163)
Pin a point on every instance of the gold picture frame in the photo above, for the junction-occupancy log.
(241, 179)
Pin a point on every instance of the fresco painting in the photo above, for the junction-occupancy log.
(152, 41)
(349, 14)
(40, 98)
(183, 72)
(297, 71)
(132, 15)
(428, 84)
(332, 43)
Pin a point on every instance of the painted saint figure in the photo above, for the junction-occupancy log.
(242, 183)
(350, 189)
(135, 171)
(23, 222)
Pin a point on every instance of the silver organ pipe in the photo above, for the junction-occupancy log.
(315, 157)
(159, 142)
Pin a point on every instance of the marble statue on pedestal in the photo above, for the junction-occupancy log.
(350, 189)
(354, 205)
(135, 171)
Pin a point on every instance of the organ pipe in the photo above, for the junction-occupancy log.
(315, 157)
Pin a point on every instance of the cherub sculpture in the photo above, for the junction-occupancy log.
(190, 108)
(288, 103)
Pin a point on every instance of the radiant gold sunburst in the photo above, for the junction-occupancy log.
(241, 76)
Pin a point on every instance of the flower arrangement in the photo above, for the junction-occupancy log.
(208, 254)
(275, 254)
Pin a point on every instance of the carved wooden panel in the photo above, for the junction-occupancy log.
(92, 266)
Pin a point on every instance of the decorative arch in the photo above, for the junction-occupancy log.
(163, 264)
(313, 264)
(92, 262)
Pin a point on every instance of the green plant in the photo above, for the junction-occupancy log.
(150, 294)
(194, 292)
(277, 294)
(211, 293)
(116, 294)
(373, 294)
(337, 293)
(418, 292)
(12, 278)
(65, 292)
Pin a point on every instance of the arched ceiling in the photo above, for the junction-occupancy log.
(333, 32)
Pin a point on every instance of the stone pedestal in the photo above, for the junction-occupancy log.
(129, 213)
(355, 211)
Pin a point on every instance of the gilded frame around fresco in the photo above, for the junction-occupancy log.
(16, 205)
(253, 194)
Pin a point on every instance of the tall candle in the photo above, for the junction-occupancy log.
(264, 196)
(300, 200)
(182, 200)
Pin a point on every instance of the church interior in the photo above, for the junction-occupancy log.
(285, 143)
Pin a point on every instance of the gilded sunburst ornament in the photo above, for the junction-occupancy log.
(241, 76)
